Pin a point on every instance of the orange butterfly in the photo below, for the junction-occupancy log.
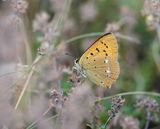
(100, 61)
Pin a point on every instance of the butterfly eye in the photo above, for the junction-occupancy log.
(76, 60)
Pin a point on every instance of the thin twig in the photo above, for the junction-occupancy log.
(6, 74)
(130, 93)
(52, 117)
(25, 87)
(26, 38)
(84, 36)
(155, 54)
(108, 120)
(32, 124)
(148, 120)
(64, 14)
(155, 48)
(12, 85)
(128, 38)
(158, 32)
(118, 35)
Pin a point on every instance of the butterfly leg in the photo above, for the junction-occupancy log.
(76, 76)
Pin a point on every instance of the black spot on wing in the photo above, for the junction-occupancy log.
(91, 54)
(97, 49)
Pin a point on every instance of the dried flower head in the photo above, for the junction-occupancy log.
(88, 11)
(151, 7)
(47, 31)
(112, 27)
(127, 18)
(148, 104)
(20, 6)
(73, 79)
(151, 107)
(40, 21)
(126, 122)
(77, 108)
(70, 27)
(43, 49)
(152, 22)
(58, 5)
(46, 28)
(116, 104)
(129, 122)
(56, 99)
(15, 19)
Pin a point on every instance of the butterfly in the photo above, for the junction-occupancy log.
(99, 62)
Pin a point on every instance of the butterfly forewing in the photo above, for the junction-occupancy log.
(100, 61)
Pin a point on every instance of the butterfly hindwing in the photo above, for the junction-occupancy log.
(104, 73)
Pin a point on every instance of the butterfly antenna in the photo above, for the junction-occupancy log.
(68, 54)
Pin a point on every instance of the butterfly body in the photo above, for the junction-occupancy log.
(99, 62)
(79, 69)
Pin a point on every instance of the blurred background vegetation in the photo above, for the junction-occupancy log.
(35, 70)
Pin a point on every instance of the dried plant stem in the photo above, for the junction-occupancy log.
(32, 69)
(155, 54)
(58, 24)
(32, 124)
(52, 117)
(6, 74)
(117, 34)
(128, 38)
(155, 48)
(25, 87)
(64, 14)
(38, 58)
(13, 84)
(26, 41)
(130, 93)
(108, 120)
(84, 36)
(158, 32)
(148, 120)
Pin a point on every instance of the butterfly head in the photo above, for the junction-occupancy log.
(79, 70)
